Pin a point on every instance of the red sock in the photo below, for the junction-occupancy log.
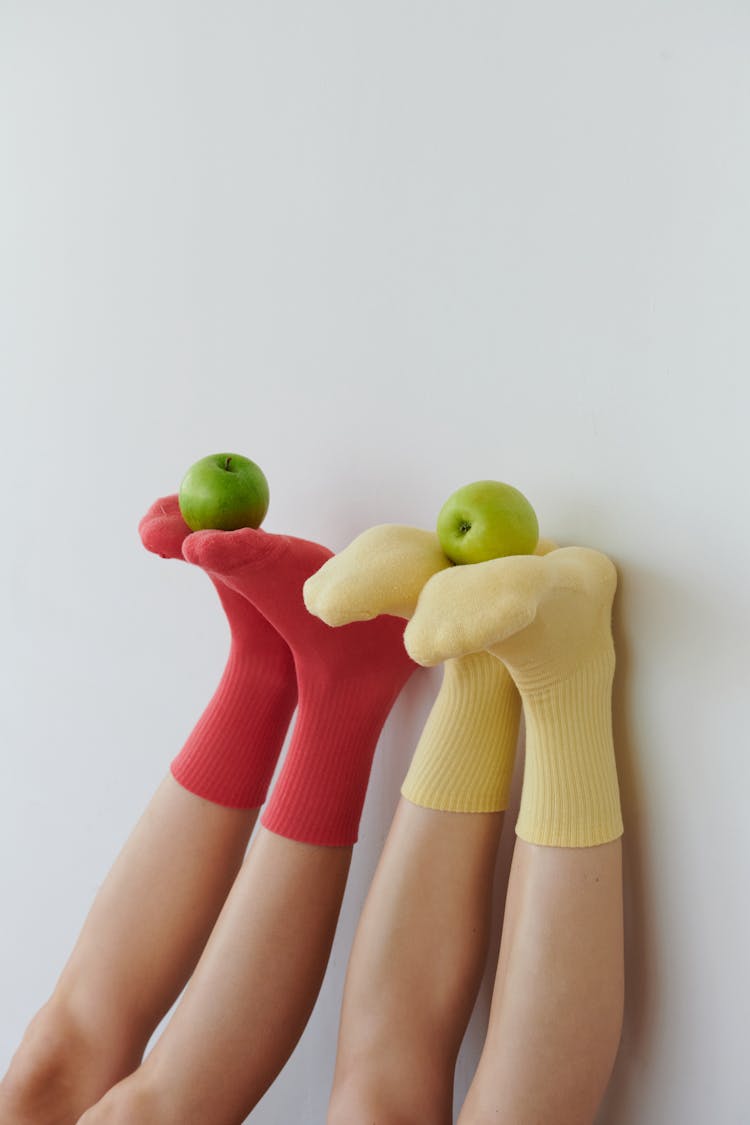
(348, 681)
(231, 753)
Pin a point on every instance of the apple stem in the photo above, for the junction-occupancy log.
(226, 465)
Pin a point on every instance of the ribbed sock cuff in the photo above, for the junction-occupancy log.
(464, 759)
(570, 795)
(230, 755)
(319, 794)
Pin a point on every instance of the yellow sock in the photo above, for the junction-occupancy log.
(464, 758)
(381, 571)
(549, 620)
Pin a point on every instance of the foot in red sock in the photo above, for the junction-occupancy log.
(231, 754)
(348, 681)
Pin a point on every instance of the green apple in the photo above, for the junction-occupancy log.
(487, 520)
(224, 491)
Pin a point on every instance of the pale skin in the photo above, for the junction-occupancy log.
(250, 997)
(246, 1004)
(141, 941)
(252, 987)
(225, 983)
(421, 943)
(557, 1004)
(415, 968)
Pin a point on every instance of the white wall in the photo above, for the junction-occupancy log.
(384, 250)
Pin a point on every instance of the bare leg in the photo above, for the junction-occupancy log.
(250, 997)
(140, 943)
(557, 1007)
(158, 905)
(421, 944)
(415, 968)
(558, 1000)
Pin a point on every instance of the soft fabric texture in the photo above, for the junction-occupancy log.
(381, 571)
(464, 758)
(230, 756)
(348, 680)
(549, 620)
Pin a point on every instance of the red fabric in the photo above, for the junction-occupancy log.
(232, 752)
(348, 679)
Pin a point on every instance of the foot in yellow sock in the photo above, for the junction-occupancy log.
(464, 758)
(548, 619)
(383, 570)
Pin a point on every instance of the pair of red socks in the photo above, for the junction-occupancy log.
(343, 681)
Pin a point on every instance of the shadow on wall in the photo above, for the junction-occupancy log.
(640, 985)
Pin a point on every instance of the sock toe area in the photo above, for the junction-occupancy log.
(332, 604)
(162, 529)
(226, 551)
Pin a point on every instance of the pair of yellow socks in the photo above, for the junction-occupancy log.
(531, 629)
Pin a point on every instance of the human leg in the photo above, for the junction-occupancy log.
(139, 944)
(415, 968)
(421, 943)
(557, 1005)
(154, 912)
(252, 994)
(254, 988)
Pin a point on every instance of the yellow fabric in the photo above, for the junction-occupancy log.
(548, 619)
(464, 759)
(381, 571)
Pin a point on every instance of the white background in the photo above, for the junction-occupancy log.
(383, 249)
